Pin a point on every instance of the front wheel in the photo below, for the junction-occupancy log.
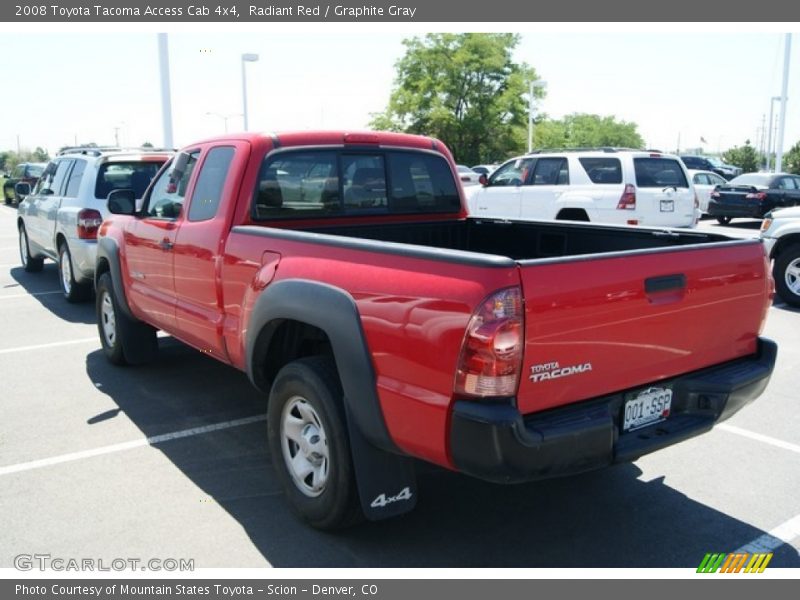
(724, 220)
(309, 444)
(31, 264)
(73, 290)
(124, 339)
(786, 272)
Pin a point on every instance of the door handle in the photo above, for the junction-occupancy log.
(166, 244)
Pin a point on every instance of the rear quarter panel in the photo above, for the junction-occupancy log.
(414, 313)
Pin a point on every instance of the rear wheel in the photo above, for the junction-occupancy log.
(309, 444)
(73, 290)
(29, 263)
(124, 340)
(786, 272)
(724, 220)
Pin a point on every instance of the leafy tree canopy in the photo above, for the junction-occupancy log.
(464, 89)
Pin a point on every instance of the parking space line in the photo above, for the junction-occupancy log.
(759, 437)
(149, 441)
(50, 345)
(29, 294)
(785, 533)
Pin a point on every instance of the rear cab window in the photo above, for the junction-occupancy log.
(311, 183)
(654, 172)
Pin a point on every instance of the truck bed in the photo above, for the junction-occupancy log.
(523, 240)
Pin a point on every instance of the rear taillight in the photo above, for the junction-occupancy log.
(756, 196)
(89, 221)
(628, 199)
(491, 354)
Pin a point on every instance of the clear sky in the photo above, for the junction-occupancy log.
(65, 85)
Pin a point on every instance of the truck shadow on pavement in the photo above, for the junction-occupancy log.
(44, 287)
(608, 518)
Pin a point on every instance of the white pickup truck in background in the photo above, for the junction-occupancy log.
(780, 232)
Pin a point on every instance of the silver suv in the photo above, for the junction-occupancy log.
(60, 217)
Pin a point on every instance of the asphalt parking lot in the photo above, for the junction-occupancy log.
(170, 460)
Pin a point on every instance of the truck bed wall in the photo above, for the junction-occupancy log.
(522, 240)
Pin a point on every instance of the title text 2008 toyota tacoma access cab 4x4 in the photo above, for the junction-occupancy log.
(340, 271)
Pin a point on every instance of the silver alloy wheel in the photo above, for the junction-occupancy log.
(792, 276)
(108, 319)
(305, 446)
(65, 267)
(23, 247)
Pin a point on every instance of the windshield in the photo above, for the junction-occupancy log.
(715, 161)
(35, 170)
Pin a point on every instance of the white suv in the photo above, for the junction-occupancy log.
(632, 187)
(60, 217)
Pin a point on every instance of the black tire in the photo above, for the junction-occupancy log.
(9, 195)
(125, 341)
(724, 220)
(73, 291)
(786, 272)
(30, 263)
(308, 393)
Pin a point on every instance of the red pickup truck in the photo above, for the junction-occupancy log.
(343, 275)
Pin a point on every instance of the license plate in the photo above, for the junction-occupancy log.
(667, 206)
(649, 406)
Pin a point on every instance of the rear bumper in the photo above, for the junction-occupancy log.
(495, 442)
(754, 210)
(84, 256)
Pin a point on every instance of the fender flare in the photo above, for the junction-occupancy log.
(333, 311)
(108, 249)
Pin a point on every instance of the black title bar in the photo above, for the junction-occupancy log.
(398, 11)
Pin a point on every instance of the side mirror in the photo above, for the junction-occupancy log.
(483, 179)
(23, 189)
(178, 169)
(122, 202)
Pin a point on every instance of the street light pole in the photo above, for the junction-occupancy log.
(769, 133)
(784, 99)
(538, 84)
(166, 99)
(246, 58)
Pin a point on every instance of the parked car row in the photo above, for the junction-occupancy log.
(59, 217)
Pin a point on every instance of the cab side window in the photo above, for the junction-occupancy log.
(166, 197)
(513, 173)
(551, 171)
(210, 181)
(75, 176)
(51, 181)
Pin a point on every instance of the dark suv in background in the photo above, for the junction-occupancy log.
(22, 173)
(702, 163)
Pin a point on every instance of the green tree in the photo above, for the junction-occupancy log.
(745, 157)
(791, 160)
(464, 89)
(580, 130)
(40, 155)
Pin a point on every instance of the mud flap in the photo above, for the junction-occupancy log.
(387, 483)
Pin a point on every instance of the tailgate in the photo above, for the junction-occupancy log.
(603, 324)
